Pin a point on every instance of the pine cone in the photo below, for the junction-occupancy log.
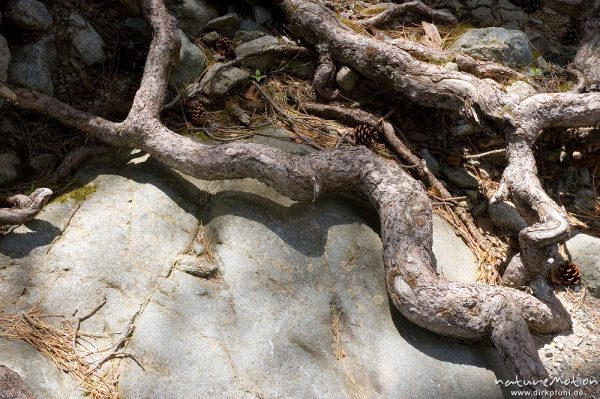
(366, 134)
(565, 274)
(224, 47)
(196, 112)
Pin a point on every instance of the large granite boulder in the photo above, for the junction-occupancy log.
(294, 304)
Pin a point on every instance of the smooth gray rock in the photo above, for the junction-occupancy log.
(195, 266)
(29, 15)
(505, 216)
(37, 371)
(249, 24)
(9, 167)
(260, 326)
(460, 177)
(192, 62)
(192, 15)
(261, 14)
(225, 80)
(462, 265)
(347, 78)
(264, 62)
(511, 47)
(431, 162)
(211, 38)
(483, 15)
(31, 65)
(266, 331)
(244, 36)
(585, 251)
(86, 40)
(227, 22)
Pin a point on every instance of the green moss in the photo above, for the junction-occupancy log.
(565, 86)
(78, 194)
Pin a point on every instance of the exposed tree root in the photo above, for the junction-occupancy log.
(470, 311)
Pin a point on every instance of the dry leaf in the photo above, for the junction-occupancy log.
(432, 37)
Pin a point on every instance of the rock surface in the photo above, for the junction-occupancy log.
(585, 251)
(29, 15)
(225, 80)
(505, 216)
(192, 62)
(38, 372)
(86, 40)
(346, 78)
(9, 167)
(12, 386)
(192, 15)
(292, 280)
(511, 47)
(31, 65)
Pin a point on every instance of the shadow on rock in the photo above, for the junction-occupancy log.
(21, 241)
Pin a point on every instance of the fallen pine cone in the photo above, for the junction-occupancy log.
(196, 112)
(224, 47)
(366, 134)
(565, 274)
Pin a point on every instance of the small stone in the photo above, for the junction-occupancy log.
(244, 36)
(521, 90)
(86, 40)
(227, 22)
(479, 209)
(535, 21)
(511, 47)
(264, 62)
(192, 15)
(9, 167)
(261, 14)
(249, 24)
(211, 38)
(505, 216)
(29, 15)
(192, 62)
(460, 177)
(577, 155)
(347, 78)
(451, 66)
(226, 80)
(432, 164)
(31, 65)
(198, 248)
(193, 265)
